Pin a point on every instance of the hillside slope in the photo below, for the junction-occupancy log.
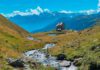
(9, 28)
(13, 41)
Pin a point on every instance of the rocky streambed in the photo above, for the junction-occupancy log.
(45, 59)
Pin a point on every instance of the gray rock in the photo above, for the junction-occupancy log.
(64, 63)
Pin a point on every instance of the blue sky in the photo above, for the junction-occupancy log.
(8, 6)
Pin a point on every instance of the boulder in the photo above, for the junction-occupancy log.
(16, 63)
(61, 57)
(65, 63)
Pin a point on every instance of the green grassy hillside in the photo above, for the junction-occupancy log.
(84, 44)
(13, 42)
(8, 27)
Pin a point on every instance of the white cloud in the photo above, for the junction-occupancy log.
(39, 10)
(91, 11)
(14, 13)
(36, 11)
(64, 11)
(19, 13)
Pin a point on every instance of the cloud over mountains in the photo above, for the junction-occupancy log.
(39, 10)
(36, 11)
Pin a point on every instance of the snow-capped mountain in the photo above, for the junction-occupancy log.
(40, 20)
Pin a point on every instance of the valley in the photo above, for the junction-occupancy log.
(83, 45)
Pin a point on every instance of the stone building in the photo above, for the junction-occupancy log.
(60, 26)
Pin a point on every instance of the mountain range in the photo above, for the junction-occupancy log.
(46, 21)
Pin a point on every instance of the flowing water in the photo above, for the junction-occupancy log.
(41, 57)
